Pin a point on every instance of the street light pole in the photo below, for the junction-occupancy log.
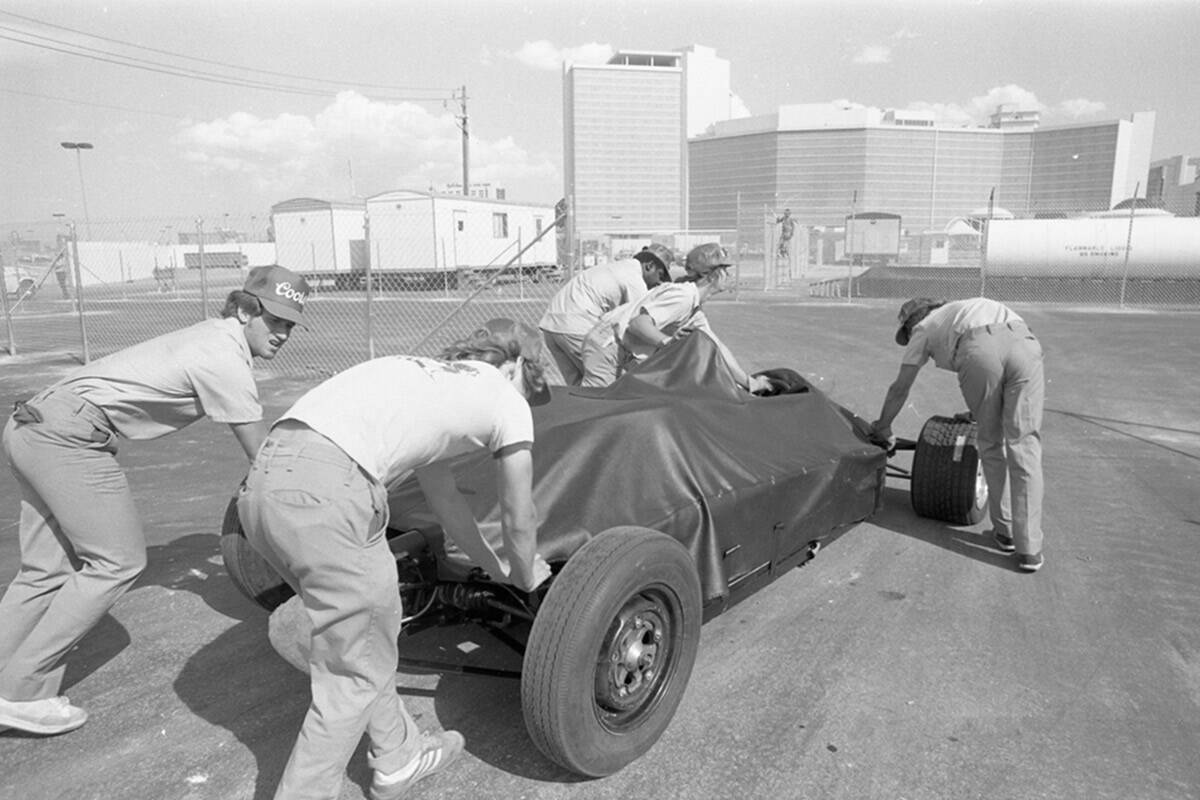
(77, 146)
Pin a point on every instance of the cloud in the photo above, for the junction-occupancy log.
(388, 146)
(978, 109)
(873, 54)
(1079, 107)
(545, 55)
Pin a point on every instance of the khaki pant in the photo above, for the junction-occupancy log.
(566, 349)
(312, 512)
(1000, 374)
(82, 544)
(604, 360)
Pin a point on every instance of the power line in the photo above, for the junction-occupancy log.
(171, 70)
(223, 64)
(96, 105)
(181, 72)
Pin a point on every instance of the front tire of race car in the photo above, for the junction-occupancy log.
(947, 473)
(611, 650)
(251, 573)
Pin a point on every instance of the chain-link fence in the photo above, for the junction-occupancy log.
(401, 274)
(1130, 255)
(90, 289)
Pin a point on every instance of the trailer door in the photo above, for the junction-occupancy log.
(460, 242)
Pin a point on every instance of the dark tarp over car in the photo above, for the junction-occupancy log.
(743, 482)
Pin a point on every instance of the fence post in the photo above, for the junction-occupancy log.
(1129, 241)
(83, 339)
(370, 271)
(203, 273)
(12, 344)
(983, 243)
(850, 248)
(520, 267)
(770, 251)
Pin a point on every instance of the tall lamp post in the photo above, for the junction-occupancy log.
(77, 146)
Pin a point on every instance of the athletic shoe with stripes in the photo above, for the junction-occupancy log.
(1030, 563)
(1004, 543)
(440, 750)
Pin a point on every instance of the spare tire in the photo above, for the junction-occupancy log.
(947, 475)
(251, 573)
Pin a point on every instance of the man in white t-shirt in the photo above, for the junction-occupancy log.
(577, 307)
(315, 507)
(82, 544)
(630, 333)
(999, 366)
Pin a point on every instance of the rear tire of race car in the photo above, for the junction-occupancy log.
(251, 573)
(611, 650)
(947, 474)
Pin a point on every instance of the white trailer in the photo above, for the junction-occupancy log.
(440, 238)
(1095, 247)
(324, 240)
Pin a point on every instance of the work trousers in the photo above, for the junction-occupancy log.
(320, 520)
(1000, 374)
(604, 359)
(566, 349)
(82, 544)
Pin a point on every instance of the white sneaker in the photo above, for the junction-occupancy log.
(49, 716)
(439, 750)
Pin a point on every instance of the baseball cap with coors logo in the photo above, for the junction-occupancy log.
(281, 291)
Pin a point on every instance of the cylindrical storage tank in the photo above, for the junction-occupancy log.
(1094, 247)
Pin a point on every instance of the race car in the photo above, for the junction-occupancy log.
(663, 500)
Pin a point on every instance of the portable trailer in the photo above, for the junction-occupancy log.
(436, 240)
(323, 240)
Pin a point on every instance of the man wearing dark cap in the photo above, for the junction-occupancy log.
(999, 366)
(630, 333)
(81, 540)
(577, 307)
(315, 506)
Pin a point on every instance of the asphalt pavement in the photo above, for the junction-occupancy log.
(909, 660)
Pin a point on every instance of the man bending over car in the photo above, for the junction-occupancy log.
(315, 506)
(631, 333)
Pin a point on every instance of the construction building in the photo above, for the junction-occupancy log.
(626, 125)
(826, 161)
(1174, 185)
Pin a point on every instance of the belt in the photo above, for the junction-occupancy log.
(995, 327)
(30, 411)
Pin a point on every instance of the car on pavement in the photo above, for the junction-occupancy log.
(664, 500)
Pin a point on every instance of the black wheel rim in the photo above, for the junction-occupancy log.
(637, 658)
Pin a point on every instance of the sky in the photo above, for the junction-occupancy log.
(210, 107)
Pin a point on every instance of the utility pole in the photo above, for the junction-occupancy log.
(461, 97)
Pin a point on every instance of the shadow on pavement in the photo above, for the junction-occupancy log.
(192, 563)
(237, 681)
(897, 516)
(101, 644)
(486, 710)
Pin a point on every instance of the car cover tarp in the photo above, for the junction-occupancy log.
(674, 445)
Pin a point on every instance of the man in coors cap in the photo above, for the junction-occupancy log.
(81, 540)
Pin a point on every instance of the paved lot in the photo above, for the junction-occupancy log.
(907, 661)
